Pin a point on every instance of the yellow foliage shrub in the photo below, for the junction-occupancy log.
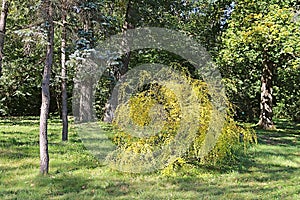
(158, 109)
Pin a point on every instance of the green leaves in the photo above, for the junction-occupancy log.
(259, 31)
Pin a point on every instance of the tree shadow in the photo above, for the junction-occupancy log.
(62, 184)
(21, 121)
(285, 135)
(254, 169)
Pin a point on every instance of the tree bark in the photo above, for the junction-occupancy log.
(127, 25)
(86, 111)
(64, 111)
(86, 100)
(266, 100)
(4, 12)
(44, 155)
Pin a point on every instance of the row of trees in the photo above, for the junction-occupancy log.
(255, 43)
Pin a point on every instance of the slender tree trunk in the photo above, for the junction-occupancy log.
(44, 155)
(127, 25)
(110, 106)
(64, 111)
(4, 12)
(266, 100)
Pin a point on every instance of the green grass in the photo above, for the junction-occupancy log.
(271, 170)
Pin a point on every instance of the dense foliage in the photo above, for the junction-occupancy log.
(243, 41)
(157, 108)
(262, 32)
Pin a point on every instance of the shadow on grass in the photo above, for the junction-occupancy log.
(286, 134)
(21, 121)
(65, 183)
(266, 179)
(217, 189)
(13, 154)
(279, 137)
(45, 187)
(272, 165)
(17, 139)
(256, 173)
(28, 121)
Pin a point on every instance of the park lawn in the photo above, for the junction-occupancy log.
(270, 171)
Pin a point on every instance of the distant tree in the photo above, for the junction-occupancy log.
(261, 37)
(64, 111)
(119, 71)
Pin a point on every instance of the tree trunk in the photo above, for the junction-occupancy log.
(127, 25)
(266, 100)
(4, 12)
(110, 106)
(44, 155)
(86, 111)
(86, 101)
(64, 111)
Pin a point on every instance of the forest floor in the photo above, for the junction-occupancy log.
(270, 171)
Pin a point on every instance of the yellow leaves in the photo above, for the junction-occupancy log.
(141, 106)
(263, 27)
(269, 24)
(258, 16)
(288, 49)
(296, 64)
(139, 109)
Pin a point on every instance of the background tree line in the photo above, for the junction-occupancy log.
(205, 20)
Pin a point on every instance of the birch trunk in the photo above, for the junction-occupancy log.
(44, 155)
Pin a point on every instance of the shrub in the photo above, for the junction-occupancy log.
(152, 119)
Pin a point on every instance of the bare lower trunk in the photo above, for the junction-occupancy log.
(86, 101)
(64, 111)
(3, 17)
(44, 155)
(266, 100)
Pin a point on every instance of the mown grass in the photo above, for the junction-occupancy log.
(271, 170)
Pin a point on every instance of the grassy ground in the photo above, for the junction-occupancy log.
(272, 170)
